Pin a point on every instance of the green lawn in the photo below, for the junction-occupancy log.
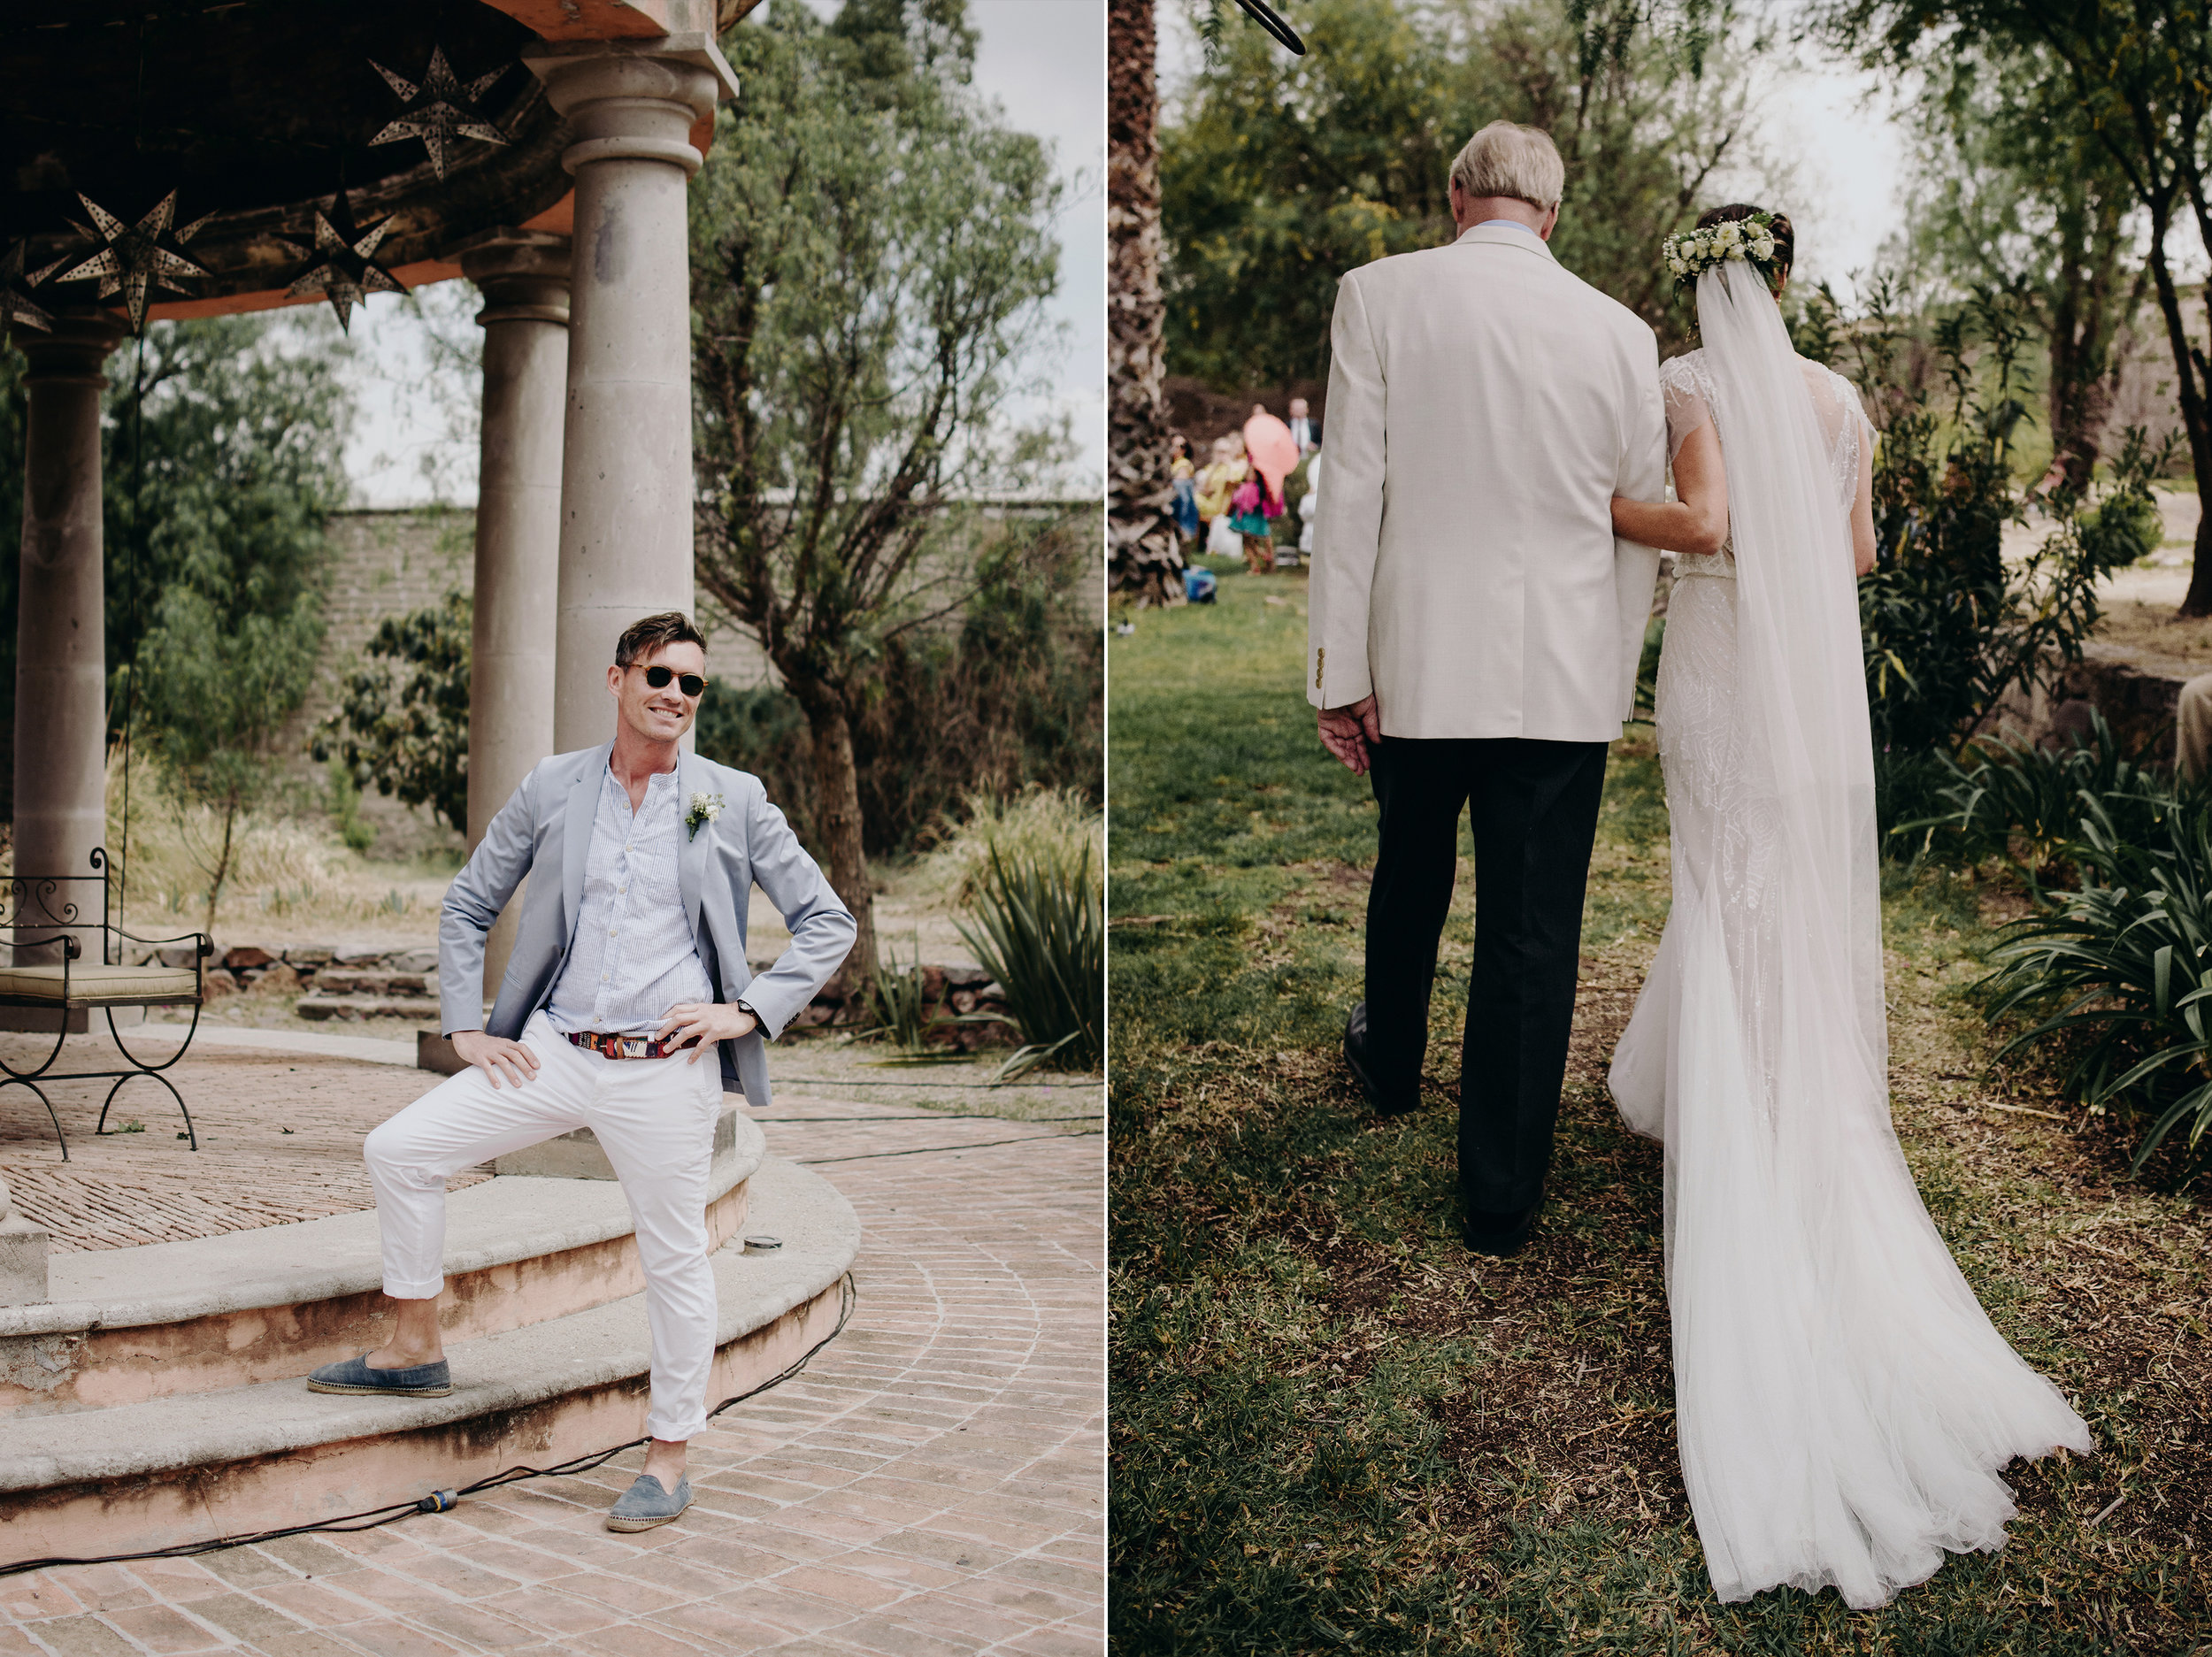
(1333, 1427)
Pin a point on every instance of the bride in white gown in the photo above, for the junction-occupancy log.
(1843, 1404)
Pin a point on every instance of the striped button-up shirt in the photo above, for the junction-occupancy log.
(634, 957)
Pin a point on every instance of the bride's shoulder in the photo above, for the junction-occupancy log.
(1820, 374)
(1686, 370)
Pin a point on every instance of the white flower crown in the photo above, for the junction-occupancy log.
(1748, 240)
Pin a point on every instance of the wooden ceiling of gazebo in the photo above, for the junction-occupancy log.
(260, 112)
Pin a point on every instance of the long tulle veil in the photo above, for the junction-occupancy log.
(1842, 1402)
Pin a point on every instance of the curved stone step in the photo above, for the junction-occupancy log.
(325, 1009)
(126, 1326)
(208, 1465)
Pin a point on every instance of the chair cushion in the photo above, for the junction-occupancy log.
(92, 982)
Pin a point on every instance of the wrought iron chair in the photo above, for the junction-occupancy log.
(40, 914)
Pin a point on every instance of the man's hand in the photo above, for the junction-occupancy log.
(495, 1058)
(1351, 732)
(700, 1023)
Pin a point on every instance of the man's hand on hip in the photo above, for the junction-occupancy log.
(1351, 732)
(494, 1058)
(700, 1023)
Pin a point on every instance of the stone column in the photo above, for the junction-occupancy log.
(524, 277)
(626, 487)
(61, 649)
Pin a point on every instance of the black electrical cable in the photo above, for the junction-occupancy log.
(445, 1500)
(923, 1150)
(857, 1081)
(934, 1115)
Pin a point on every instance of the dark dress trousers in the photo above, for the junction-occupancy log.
(1535, 807)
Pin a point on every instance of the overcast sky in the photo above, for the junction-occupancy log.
(1044, 61)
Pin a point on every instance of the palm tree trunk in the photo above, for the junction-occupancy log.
(1147, 561)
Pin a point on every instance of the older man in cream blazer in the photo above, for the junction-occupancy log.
(1473, 635)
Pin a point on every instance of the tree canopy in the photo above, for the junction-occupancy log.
(870, 248)
(220, 467)
(1281, 173)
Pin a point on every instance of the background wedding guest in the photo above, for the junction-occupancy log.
(1217, 488)
(1274, 457)
(1304, 431)
(1181, 480)
(1309, 501)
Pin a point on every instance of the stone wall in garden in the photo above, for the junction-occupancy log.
(339, 986)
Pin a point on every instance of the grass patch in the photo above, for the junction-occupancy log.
(1334, 1428)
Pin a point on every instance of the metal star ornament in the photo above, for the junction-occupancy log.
(348, 272)
(440, 110)
(136, 257)
(16, 305)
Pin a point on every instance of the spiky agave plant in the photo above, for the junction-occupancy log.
(1041, 931)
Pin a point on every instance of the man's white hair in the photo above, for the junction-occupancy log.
(1510, 160)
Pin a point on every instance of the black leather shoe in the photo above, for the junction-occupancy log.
(1387, 1101)
(1499, 1233)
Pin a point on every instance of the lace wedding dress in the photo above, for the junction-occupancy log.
(1843, 1404)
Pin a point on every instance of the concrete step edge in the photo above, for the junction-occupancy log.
(510, 1219)
(510, 1371)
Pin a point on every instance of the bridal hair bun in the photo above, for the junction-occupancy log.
(1734, 233)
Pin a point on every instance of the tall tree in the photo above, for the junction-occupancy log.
(2013, 194)
(1146, 560)
(2129, 78)
(221, 442)
(226, 511)
(871, 252)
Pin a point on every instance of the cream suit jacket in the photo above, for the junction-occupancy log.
(1484, 407)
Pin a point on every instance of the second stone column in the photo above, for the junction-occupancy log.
(523, 276)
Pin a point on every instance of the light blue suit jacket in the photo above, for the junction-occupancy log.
(546, 828)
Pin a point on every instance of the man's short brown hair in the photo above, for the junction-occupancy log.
(642, 639)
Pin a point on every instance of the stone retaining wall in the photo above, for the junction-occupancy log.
(2137, 692)
(362, 984)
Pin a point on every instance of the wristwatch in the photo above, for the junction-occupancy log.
(746, 1006)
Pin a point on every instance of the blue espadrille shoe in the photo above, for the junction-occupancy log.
(646, 1504)
(353, 1374)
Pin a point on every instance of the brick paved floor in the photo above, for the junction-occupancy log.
(934, 1483)
(280, 1140)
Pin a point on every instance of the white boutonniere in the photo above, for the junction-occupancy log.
(704, 808)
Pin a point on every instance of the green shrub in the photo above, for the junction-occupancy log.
(2027, 804)
(899, 997)
(2119, 974)
(1041, 931)
(403, 722)
(1950, 625)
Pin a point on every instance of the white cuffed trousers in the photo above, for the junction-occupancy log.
(654, 1118)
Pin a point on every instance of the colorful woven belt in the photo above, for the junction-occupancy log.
(626, 1047)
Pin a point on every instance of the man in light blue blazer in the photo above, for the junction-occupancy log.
(629, 968)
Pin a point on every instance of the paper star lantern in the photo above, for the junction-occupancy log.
(15, 291)
(439, 110)
(136, 257)
(349, 272)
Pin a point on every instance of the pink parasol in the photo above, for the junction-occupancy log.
(1272, 449)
